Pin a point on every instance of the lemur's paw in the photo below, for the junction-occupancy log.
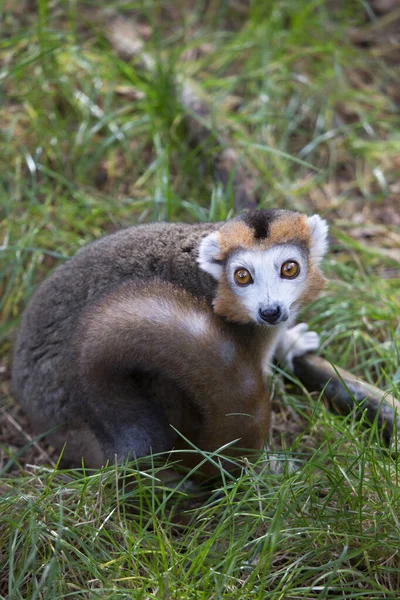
(303, 340)
(296, 342)
(277, 464)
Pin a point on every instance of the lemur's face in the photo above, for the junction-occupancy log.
(266, 264)
(267, 283)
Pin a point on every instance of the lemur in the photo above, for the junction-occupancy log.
(164, 332)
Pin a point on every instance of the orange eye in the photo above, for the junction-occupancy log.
(290, 269)
(243, 277)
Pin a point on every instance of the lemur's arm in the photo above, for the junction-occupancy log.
(295, 342)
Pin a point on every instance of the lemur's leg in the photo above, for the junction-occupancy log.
(296, 342)
(118, 424)
(132, 434)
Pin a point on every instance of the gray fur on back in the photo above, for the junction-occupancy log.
(43, 372)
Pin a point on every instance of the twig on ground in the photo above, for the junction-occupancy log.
(344, 392)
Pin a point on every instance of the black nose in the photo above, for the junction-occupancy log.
(271, 315)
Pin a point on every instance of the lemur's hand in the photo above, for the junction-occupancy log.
(296, 342)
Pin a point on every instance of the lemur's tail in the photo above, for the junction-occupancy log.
(160, 328)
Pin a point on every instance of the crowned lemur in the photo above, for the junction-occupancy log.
(166, 328)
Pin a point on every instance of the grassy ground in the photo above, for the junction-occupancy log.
(94, 136)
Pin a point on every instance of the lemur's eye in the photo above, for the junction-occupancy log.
(243, 277)
(290, 269)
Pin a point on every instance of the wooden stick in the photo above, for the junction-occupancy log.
(344, 393)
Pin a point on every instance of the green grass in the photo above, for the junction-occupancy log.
(90, 142)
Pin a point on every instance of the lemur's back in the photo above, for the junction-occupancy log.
(44, 351)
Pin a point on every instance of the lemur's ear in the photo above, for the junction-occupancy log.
(210, 255)
(319, 237)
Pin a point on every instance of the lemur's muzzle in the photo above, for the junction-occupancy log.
(273, 314)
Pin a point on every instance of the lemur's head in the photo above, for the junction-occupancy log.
(266, 263)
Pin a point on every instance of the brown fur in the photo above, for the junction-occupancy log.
(285, 228)
(226, 304)
(235, 235)
(315, 284)
(214, 388)
(291, 227)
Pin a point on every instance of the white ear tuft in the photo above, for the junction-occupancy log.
(319, 237)
(209, 255)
